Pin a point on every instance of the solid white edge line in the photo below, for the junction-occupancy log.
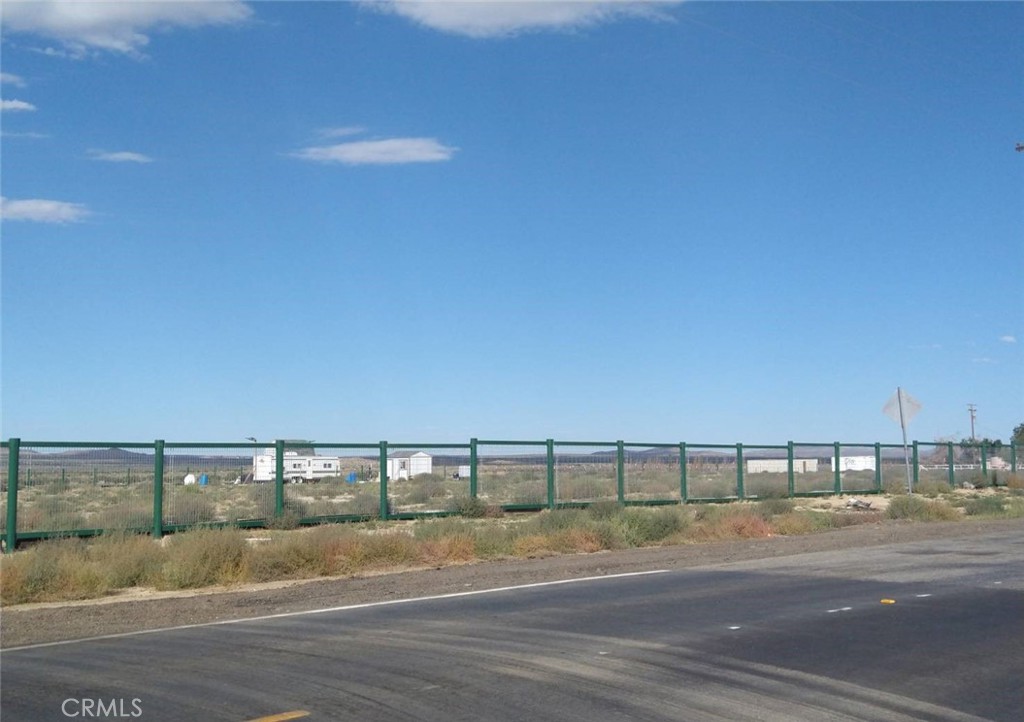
(345, 608)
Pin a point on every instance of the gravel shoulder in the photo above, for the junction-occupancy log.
(141, 610)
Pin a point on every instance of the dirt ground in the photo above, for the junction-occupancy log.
(140, 610)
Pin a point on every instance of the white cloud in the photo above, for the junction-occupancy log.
(496, 18)
(341, 132)
(28, 134)
(15, 105)
(42, 211)
(122, 156)
(1008, 339)
(985, 360)
(380, 152)
(12, 79)
(114, 26)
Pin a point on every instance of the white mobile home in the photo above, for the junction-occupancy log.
(854, 463)
(781, 466)
(407, 464)
(297, 467)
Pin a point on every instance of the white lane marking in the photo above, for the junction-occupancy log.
(997, 582)
(922, 596)
(345, 608)
(734, 627)
(840, 609)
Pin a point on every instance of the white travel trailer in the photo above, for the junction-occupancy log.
(781, 466)
(297, 467)
(854, 463)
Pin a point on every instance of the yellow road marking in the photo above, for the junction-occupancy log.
(283, 717)
(888, 601)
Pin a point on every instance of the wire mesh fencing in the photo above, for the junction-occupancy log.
(62, 488)
(512, 473)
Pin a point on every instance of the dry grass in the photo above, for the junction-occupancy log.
(918, 509)
(67, 569)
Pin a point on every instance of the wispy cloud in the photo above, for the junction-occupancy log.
(15, 106)
(341, 132)
(121, 27)
(496, 18)
(122, 156)
(12, 79)
(390, 151)
(1008, 339)
(26, 134)
(42, 211)
(984, 360)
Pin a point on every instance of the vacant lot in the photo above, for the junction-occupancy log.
(146, 608)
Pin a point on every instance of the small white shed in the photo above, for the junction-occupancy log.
(407, 464)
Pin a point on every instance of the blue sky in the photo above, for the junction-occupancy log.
(710, 222)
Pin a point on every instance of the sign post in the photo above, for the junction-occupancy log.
(901, 408)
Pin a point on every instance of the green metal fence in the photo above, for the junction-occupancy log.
(52, 489)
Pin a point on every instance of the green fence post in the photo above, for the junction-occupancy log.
(1013, 456)
(279, 477)
(472, 469)
(620, 471)
(385, 510)
(915, 456)
(158, 489)
(878, 466)
(950, 463)
(984, 461)
(790, 472)
(837, 477)
(739, 471)
(551, 474)
(683, 491)
(13, 448)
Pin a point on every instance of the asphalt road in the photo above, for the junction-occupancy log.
(804, 637)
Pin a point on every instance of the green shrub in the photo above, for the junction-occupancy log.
(603, 510)
(365, 503)
(189, 506)
(127, 560)
(204, 557)
(918, 509)
(768, 508)
(433, 529)
(985, 506)
(932, 488)
(642, 527)
(472, 508)
(289, 556)
(494, 541)
(555, 520)
(51, 570)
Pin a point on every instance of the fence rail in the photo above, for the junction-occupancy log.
(60, 488)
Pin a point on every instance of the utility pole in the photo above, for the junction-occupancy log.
(974, 412)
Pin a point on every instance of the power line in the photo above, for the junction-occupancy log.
(974, 412)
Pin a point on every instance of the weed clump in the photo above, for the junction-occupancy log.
(204, 557)
(985, 506)
(918, 509)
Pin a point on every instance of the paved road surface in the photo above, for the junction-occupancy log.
(801, 637)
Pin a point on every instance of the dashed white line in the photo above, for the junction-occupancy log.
(922, 596)
(840, 609)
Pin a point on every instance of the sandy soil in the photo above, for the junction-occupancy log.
(144, 609)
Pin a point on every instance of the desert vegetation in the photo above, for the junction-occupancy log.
(74, 568)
